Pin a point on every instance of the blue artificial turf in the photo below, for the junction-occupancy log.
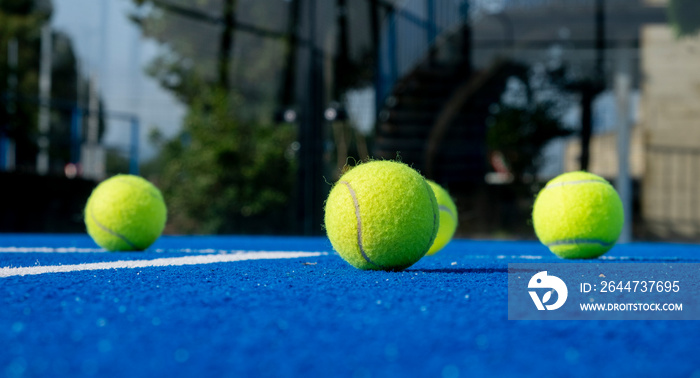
(314, 316)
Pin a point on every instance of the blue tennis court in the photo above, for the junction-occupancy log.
(289, 306)
(571, 122)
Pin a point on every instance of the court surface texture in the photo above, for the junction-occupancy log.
(234, 306)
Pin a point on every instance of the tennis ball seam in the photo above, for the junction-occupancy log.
(564, 242)
(358, 216)
(448, 211)
(549, 186)
(579, 241)
(359, 224)
(111, 232)
(578, 221)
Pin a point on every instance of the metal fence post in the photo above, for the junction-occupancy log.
(134, 153)
(624, 186)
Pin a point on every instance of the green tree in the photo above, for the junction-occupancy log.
(684, 15)
(223, 175)
(520, 134)
(230, 170)
(528, 117)
(194, 37)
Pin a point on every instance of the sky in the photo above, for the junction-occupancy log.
(111, 48)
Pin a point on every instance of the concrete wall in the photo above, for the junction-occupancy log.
(670, 116)
(604, 158)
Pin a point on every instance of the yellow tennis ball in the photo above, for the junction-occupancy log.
(125, 213)
(578, 215)
(448, 218)
(381, 215)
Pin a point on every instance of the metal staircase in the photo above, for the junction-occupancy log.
(432, 104)
(435, 120)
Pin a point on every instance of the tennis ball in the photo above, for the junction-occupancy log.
(381, 215)
(448, 218)
(578, 215)
(125, 213)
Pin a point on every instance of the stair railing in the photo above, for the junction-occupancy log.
(409, 31)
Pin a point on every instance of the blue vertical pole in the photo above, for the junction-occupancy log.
(134, 154)
(464, 11)
(432, 22)
(75, 131)
(3, 151)
(378, 84)
(392, 47)
(377, 37)
(466, 34)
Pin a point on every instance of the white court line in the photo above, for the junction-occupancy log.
(170, 261)
(49, 250)
(524, 257)
(13, 249)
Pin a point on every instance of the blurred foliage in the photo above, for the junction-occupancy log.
(684, 15)
(190, 34)
(223, 175)
(528, 116)
(230, 169)
(116, 162)
(520, 134)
